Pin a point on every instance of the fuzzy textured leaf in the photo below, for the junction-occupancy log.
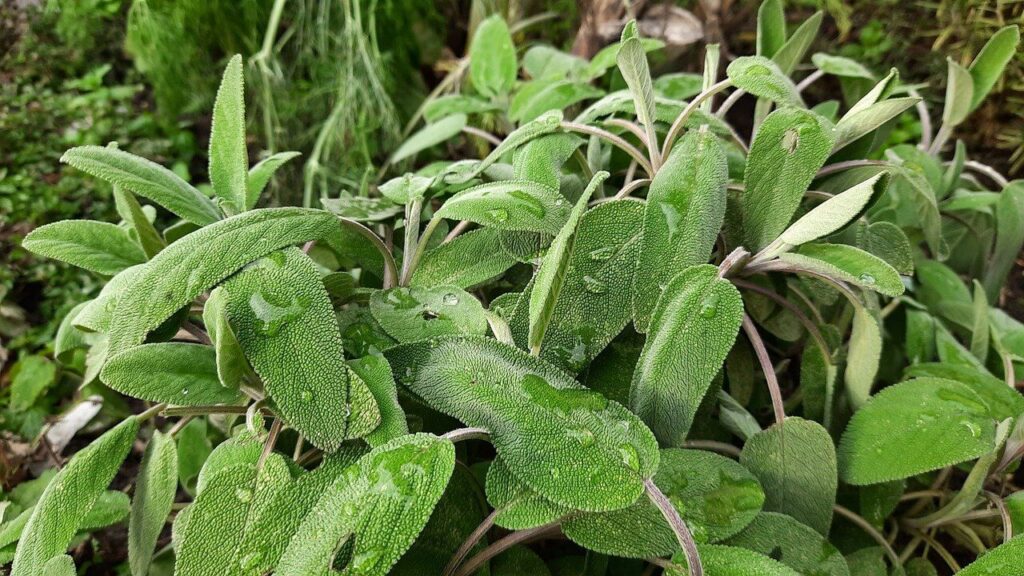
(151, 502)
(95, 246)
(229, 159)
(509, 205)
(174, 372)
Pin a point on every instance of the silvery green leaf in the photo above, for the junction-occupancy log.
(545, 122)
(154, 494)
(175, 372)
(375, 372)
(429, 136)
(535, 97)
(261, 173)
(763, 78)
(848, 264)
(542, 61)
(1009, 237)
(855, 124)
(139, 222)
(451, 104)
(361, 208)
(792, 52)
(795, 461)
(95, 246)
(554, 434)
(605, 59)
(632, 61)
(678, 85)
(887, 241)
(989, 64)
(959, 94)
(771, 28)
(467, 260)
(914, 427)
(492, 58)
(517, 506)
(406, 188)
(229, 159)
(841, 66)
(417, 313)
(863, 356)
(232, 366)
(880, 91)
(509, 205)
(145, 178)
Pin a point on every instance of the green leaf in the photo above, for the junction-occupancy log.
(411, 314)
(380, 524)
(1003, 401)
(232, 367)
(989, 64)
(30, 377)
(222, 515)
(536, 97)
(591, 310)
(145, 178)
(193, 449)
(678, 85)
(887, 241)
(541, 158)
(794, 544)
(833, 214)
(95, 246)
(911, 187)
(492, 58)
(434, 110)
(632, 61)
(849, 264)
(192, 265)
(229, 158)
(70, 337)
(406, 188)
(858, 123)
(606, 57)
(429, 136)
(545, 123)
(789, 148)
(287, 329)
(817, 380)
(174, 372)
(730, 561)
(260, 175)
(1003, 559)
(763, 78)
(98, 313)
(509, 205)
(771, 28)
(914, 427)
(1009, 238)
(959, 94)
(980, 335)
(550, 277)
(375, 372)
(62, 565)
(542, 61)
(840, 66)
(790, 54)
(131, 212)
(516, 505)
(154, 494)
(555, 435)
(69, 497)
(863, 356)
(468, 260)
(715, 496)
(683, 215)
(796, 464)
(361, 208)
(692, 330)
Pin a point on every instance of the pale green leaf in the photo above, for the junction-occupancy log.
(855, 124)
(1003, 401)
(989, 64)
(154, 494)
(544, 123)
(863, 356)
(192, 265)
(889, 242)
(287, 329)
(605, 59)
(509, 205)
(632, 61)
(429, 136)
(470, 259)
(771, 28)
(980, 329)
(95, 246)
(959, 94)
(841, 66)
(229, 158)
(375, 372)
(792, 53)
(492, 58)
(361, 208)
(550, 277)
(415, 313)
(849, 264)
(834, 213)
(132, 213)
(796, 464)
(69, 497)
(406, 188)
(794, 544)
(98, 313)
(731, 561)
(790, 146)
(762, 77)
(145, 178)
(682, 218)
(556, 436)
(174, 372)
(1009, 237)
(380, 504)
(692, 330)
(437, 108)
(30, 377)
(914, 427)
(232, 367)
(537, 97)
(260, 175)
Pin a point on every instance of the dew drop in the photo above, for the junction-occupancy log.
(974, 428)
(499, 215)
(307, 395)
(594, 285)
(867, 279)
(791, 141)
(672, 218)
(630, 457)
(709, 306)
(243, 495)
(184, 391)
(450, 299)
(582, 435)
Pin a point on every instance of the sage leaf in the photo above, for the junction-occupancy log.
(683, 215)
(261, 174)
(632, 61)
(692, 330)
(132, 213)
(382, 524)
(69, 497)
(771, 28)
(548, 283)
(429, 136)
(95, 246)
(989, 64)
(849, 264)
(840, 66)
(834, 213)
(887, 241)
(145, 178)
(467, 260)
(543, 124)
(279, 306)
(492, 58)
(232, 367)
(789, 148)
(187, 268)
(796, 464)
(411, 314)
(62, 565)
(229, 159)
(516, 505)
(715, 496)
(174, 372)
(857, 123)
(1002, 559)
(790, 54)
(959, 94)
(763, 78)
(509, 205)
(1009, 237)
(554, 434)
(731, 561)
(862, 357)
(375, 372)
(794, 544)
(914, 427)
(151, 502)
(1004, 402)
